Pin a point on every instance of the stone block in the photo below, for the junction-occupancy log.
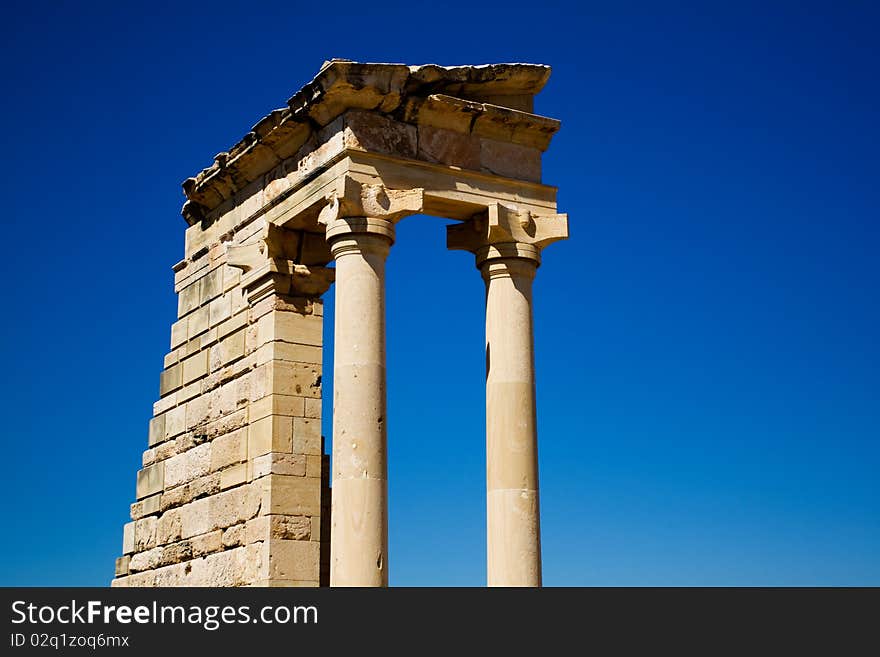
(198, 322)
(306, 437)
(298, 353)
(150, 505)
(315, 155)
(291, 528)
(174, 446)
(239, 300)
(250, 201)
(227, 423)
(299, 329)
(269, 434)
(188, 299)
(170, 380)
(170, 358)
(504, 126)
(229, 449)
(187, 466)
(447, 147)
(252, 337)
(313, 407)
(177, 553)
(289, 495)
(173, 575)
(279, 463)
(234, 567)
(209, 337)
(220, 309)
(228, 350)
(195, 489)
(510, 160)
(234, 476)
(179, 333)
(281, 377)
(145, 534)
(206, 543)
(157, 430)
(134, 511)
(257, 529)
(145, 560)
(128, 538)
(189, 391)
(167, 402)
(233, 395)
(277, 405)
(195, 367)
(262, 332)
(168, 527)
(195, 518)
(231, 277)
(440, 111)
(175, 422)
(211, 285)
(234, 323)
(194, 346)
(294, 560)
(234, 536)
(122, 565)
(235, 506)
(378, 134)
(150, 480)
(197, 411)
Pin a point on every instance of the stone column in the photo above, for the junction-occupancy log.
(359, 534)
(507, 246)
(360, 231)
(513, 522)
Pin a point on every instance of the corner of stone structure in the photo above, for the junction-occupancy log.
(234, 488)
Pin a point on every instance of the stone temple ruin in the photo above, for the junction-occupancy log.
(235, 485)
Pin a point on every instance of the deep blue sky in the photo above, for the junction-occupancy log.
(707, 340)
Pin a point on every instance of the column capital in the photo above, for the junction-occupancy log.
(373, 209)
(503, 231)
(269, 266)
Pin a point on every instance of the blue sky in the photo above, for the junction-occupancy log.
(707, 350)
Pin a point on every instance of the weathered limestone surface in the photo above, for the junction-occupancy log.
(234, 488)
(234, 471)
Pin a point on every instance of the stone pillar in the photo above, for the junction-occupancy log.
(507, 246)
(233, 489)
(360, 244)
(513, 522)
(359, 519)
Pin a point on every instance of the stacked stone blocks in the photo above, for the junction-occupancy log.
(234, 487)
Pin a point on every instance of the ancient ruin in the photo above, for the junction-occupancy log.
(235, 485)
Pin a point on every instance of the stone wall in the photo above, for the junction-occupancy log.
(234, 486)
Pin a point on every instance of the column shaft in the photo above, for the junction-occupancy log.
(359, 530)
(513, 520)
